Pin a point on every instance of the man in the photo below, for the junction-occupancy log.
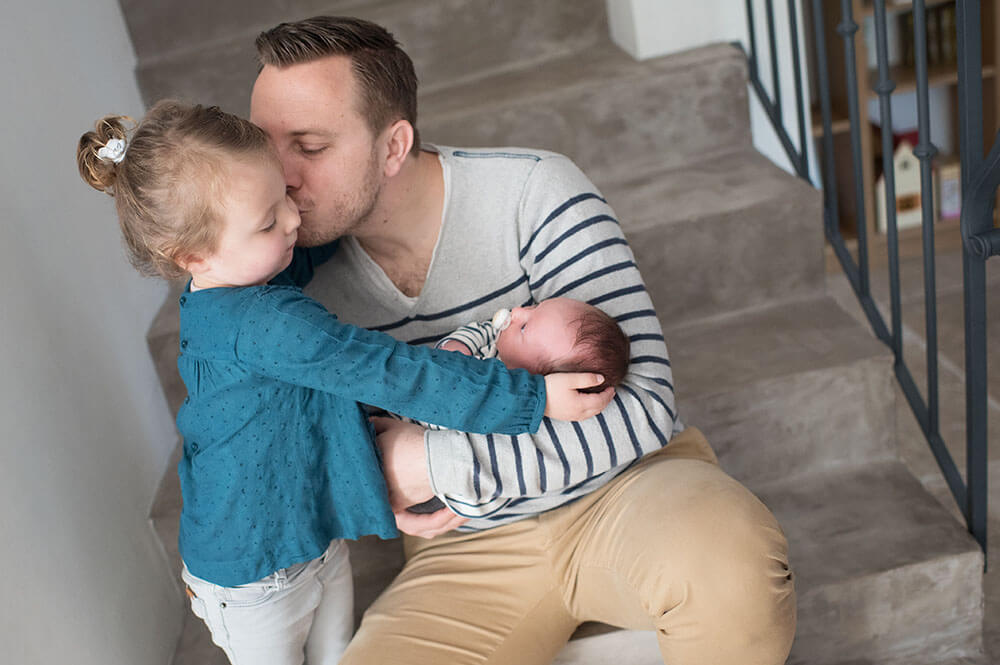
(625, 518)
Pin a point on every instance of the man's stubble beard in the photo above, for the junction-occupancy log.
(346, 216)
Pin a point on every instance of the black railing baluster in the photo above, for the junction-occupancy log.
(978, 193)
(847, 28)
(752, 30)
(925, 152)
(884, 88)
(803, 166)
(831, 206)
(773, 45)
(798, 158)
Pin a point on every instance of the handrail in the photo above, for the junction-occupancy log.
(980, 241)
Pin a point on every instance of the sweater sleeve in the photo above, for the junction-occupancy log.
(287, 336)
(571, 245)
(479, 338)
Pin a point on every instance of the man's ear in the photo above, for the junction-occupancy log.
(398, 141)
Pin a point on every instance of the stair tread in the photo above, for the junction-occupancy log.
(601, 107)
(720, 354)
(702, 187)
(861, 522)
(599, 64)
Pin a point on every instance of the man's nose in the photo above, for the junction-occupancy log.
(293, 177)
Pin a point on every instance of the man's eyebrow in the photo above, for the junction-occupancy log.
(307, 132)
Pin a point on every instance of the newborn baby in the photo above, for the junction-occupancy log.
(556, 335)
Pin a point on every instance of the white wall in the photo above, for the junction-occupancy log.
(86, 431)
(652, 28)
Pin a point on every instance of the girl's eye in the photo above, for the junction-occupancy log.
(523, 326)
(269, 226)
(311, 151)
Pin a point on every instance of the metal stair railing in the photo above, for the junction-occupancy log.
(980, 240)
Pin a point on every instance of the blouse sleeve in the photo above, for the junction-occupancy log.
(290, 337)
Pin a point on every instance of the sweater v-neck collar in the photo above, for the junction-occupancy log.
(374, 271)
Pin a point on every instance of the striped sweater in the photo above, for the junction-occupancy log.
(520, 226)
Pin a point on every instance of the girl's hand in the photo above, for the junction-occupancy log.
(566, 402)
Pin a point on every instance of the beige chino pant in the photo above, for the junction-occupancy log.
(673, 545)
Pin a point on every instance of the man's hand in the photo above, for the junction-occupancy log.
(404, 461)
(564, 401)
(428, 525)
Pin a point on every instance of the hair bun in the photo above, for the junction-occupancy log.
(101, 172)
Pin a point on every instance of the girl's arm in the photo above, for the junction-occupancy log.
(290, 337)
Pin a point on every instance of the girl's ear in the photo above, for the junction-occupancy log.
(398, 141)
(192, 264)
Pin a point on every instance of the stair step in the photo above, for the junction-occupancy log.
(721, 233)
(159, 29)
(213, 61)
(640, 648)
(884, 573)
(789, 389)
(602, 108)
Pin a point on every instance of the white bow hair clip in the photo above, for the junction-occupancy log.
(113, 150)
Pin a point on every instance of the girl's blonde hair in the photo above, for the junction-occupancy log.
(169, 184)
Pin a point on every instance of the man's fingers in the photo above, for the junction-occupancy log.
(400, 502)
(381, 423)
(428, 525)
(598, 401)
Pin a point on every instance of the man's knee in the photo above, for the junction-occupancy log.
(732, 582)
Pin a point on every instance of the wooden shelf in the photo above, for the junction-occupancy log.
(943, 77)
(840, 123)
(900, 6)
(905, 79)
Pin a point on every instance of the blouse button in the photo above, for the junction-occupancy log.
(187, 400)
(183, 299)
(194, 447)
(184, 344)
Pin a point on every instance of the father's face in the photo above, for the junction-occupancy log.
(332, 169)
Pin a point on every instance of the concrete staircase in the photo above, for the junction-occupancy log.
(795, 396)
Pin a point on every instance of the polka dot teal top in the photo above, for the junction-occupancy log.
(279, 457)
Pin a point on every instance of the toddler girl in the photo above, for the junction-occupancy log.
(279, 463)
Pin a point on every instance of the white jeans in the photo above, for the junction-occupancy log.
(304, 611)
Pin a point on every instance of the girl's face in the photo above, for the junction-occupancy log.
(259, 228)
(541, 334)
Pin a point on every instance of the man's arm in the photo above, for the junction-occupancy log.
(571, 245)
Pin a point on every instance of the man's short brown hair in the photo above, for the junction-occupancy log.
(384, 72)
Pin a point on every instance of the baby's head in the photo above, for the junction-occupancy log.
(172, 179)
(565, 335)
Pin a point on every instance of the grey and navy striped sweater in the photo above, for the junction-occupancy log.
(520, 226)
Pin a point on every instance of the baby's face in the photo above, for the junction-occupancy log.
(541, 334)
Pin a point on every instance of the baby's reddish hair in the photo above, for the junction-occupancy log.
(601, 346)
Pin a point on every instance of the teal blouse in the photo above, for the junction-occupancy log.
(279, 456)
